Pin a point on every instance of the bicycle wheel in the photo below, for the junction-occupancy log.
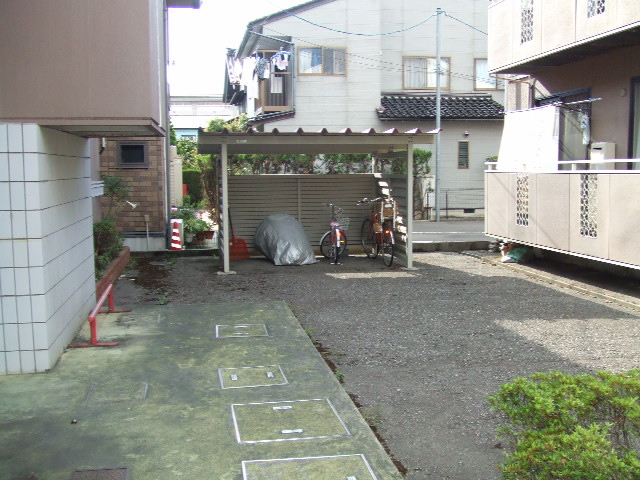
(325, 244)
(387, 244)
(368, 239)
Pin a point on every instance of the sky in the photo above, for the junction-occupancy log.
(199, 38)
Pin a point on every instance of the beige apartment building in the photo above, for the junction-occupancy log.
(566, 178)
(73, 75)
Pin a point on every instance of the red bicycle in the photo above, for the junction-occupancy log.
(334, 242)
(377, 230)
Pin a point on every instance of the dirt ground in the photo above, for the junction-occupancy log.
(420, 350)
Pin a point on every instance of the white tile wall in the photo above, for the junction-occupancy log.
(31, 137)
(25, 333)
(46, 267)
(7, 282)
(15, 137)
(4, 166)
(11, 337)
(13, 362)
(5, 197)
(44, 360)
(19, 224)
(9, 309)
(40, 336)
(23, 304)
(34, 223)
(6, 250)
(32, 172)
(4, 145)
(20, 253)
(17, 192)
(35, 249)
(22, 281)
(16, 167)
(28, 361)
(38, 308)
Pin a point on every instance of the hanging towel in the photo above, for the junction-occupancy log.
(276, 84)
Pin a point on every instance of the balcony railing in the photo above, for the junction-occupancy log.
(276, 94)
(586, 210)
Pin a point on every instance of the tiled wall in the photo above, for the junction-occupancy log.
(47, 285)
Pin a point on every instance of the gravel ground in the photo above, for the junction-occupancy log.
(420, 350)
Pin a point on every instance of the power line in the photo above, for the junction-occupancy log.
(463, 23)
(384, 65)
(290, 13)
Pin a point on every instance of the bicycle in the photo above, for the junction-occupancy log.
(377, 230)
(334, 242)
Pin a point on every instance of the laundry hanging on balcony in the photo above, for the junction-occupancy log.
(280, 61)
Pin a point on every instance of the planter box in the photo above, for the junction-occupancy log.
(113, 271)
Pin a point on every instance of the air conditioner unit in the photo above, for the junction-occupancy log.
(601, 151)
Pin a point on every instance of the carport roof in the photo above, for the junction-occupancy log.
(301, 142)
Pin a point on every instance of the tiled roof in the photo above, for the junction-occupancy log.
(451, 108)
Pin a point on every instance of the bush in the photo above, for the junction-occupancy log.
(563, 427)
(193, 180)
(107, 244)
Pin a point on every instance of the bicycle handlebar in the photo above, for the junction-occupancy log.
(366, 200)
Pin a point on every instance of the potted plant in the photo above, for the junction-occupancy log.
(192, 222)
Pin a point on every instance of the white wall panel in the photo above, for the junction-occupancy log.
(50, 287)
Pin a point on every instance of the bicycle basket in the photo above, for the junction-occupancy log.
(389, 209)
(344, 222)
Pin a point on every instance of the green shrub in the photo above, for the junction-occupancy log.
(107, 244)
(564, 427)
(193, 180)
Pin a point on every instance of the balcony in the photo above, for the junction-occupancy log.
(275, 94)
(582, 211)
(561, 31)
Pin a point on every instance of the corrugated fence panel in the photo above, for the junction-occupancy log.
(254, 197)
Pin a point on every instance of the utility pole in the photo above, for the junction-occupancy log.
(438, 99)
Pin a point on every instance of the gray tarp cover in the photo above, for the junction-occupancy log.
(282, 240)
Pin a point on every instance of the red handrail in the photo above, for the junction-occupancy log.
(106, 295)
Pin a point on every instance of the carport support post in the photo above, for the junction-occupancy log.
(226, 230)
(410, 204)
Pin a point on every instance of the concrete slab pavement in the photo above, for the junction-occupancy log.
(162, 404)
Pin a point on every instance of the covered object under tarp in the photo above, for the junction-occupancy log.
(390, 143)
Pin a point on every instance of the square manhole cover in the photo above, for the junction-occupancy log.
(120, 473)
(347, 467)
(242, 330)
(246, 377)
(285, 421)
(117, 392)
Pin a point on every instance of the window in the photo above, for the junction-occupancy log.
(526, 21)
(322, 61)
(133, 154)
(482, 79)
(420, 72)
(463, 154)
(595, 7)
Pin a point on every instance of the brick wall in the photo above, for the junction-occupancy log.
(147, 186)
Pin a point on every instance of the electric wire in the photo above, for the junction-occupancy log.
(290, 13)
(384, 65)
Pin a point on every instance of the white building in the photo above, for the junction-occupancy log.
(363, 64)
